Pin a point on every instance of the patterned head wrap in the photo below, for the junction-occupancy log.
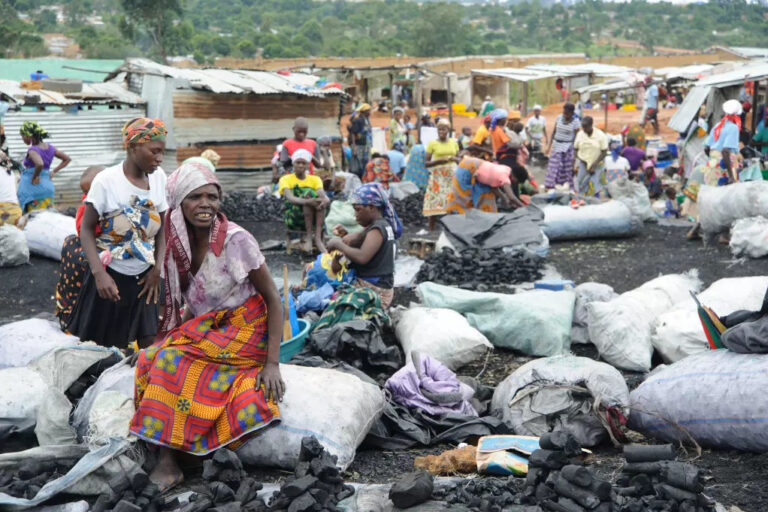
(376, 195)
(34, 130)
(177, 263)
(497, 115)
(301, 154)
(364, 107)
(143, 129)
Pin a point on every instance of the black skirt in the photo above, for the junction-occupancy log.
(113, 324)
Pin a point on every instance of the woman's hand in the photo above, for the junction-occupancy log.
(273, 383)
(151, 282)
(340, 230)
(106, 286)
(36, 180)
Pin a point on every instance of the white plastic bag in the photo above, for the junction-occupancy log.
(402, 189)
(720, 207)
(749, 237)
(678, 333)
(605, 220)
(586, 293)
(621, 328)
(718, 397)
(46, 231)
(406, 268)
(25, 340)
(118, 379)
(440, 333)
(335, 407)
(22, 391)
(351, 182)
(537, 397)
(635, 196)
(13, 247)
(536, 322)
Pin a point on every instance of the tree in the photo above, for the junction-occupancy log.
(155, 17)
(77, 10)
(246, 48)
(46, 20)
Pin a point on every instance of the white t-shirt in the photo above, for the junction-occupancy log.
(111, 191)
(536, 127)
(615, 169)
(8, 187)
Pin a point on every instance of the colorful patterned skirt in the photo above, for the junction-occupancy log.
(196, 391)
(35, 197)
(560, 168)
(439, 186)
(467, 194)
(10, 213)
(415, 170)
(71, 274)
(294, 213)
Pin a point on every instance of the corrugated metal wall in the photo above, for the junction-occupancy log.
(89, 137)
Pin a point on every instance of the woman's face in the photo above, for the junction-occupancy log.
(27, 139)
(442, 132)
(300, 167)
(147, 156)
(398, 115)
(364, 214)
(201, 206)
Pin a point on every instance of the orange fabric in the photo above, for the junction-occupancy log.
(498, 138)
(79, 218)
(730, 117)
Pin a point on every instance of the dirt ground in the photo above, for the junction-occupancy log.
(733, 478)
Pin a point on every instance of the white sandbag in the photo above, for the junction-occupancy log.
(621, 328)
(440, 333)
(335, 407)
(538, 397)
(586, 293)
(720, 207)
(13, 247)
(678, 333)
(718, 397)
(635, 196)
(120, 379)
(605, 220)
(46, 231)
(22, 391)
(749, 237)
(406, 268)
(110, 416)
(536, 322)
(25, 340)
(402, 189)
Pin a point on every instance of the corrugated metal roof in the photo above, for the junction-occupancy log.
(752, 71)
(89, 137)
(518, 74)
(749, 52)
(234, 81)
(590, 68)
(689, 72)
(630, 81)
(92, 94)
(687, 111)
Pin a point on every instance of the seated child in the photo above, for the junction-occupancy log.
(650, 180)
(671, 208)
(372, 251)
(465, 139)
(305, 200)
(73, 262)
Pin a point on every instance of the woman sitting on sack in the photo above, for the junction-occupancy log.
(208, 383)
(372, 251)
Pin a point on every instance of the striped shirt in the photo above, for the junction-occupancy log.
(564, 133)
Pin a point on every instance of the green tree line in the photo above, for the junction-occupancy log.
(208, 29)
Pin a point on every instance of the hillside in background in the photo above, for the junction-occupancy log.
(298, 28)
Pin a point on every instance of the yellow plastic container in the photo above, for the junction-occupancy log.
(630, 107)
(459, 108)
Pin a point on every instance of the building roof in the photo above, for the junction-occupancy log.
(517, 74)
(590, 68)
(232, 81)
(98, 93)
(746, 52)
(749, 71)
(686, 72)
(91, 70)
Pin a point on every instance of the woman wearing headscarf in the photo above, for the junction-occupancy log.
(616, 166)
(398, 132)
(561, 151)
(209, 158)
(372, 251)
(477, 184)
(442, 157)
(213, 378)
(117, 302)
(415, 169)
(36, 189)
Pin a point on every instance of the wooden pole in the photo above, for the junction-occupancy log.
(605, 106)
(417, 104)
(525, 99)
(450, 100)
(391, 95)
(287, 333)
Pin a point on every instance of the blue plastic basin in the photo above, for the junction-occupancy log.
(293, 346)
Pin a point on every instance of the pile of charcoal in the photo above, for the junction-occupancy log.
(485, 494)
(410, 209)
(31, 475)
(317, 483)
(478, 269)
(248, 206)
(651, 480)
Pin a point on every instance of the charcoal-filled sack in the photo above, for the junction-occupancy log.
(25, 340)
(13, 247)
(720, 207)
(45, 232)
(559, 393)
(611, 219)
(717, 397)
(621, 328)
(335, 407)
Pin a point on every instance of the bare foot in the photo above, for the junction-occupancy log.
(167, 473)
(319, 243)
(308, 244)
